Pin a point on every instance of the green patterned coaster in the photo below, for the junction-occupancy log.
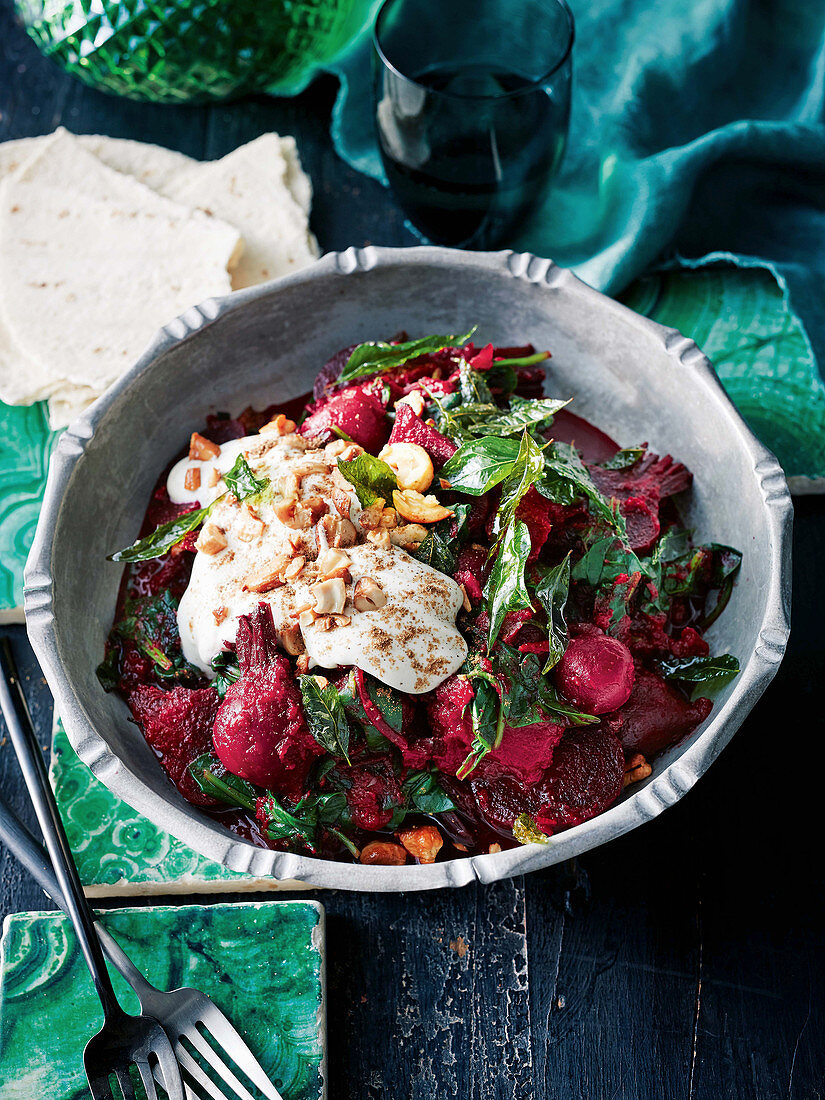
(118, 852)
(741, 318)
(261, 962)
(25, 445)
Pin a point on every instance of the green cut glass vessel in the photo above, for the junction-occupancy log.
(189, 51)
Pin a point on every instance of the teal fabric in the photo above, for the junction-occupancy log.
(698, 126)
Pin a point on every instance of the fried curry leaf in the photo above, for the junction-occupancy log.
(325, 715)
(370, 477)
(505, 589)
(523, 413)
(623, 459)
(472, 386)
(443, 540)
(526, 831)
(711, 672)
(241, 481)
(227, 669)
(213, 779)
(604, 561)
(151, 624)
(565, 473)
(526, 470)
(551, 592)
(376, 356)
(480, 464)
(424, 793)
(487, 719)
(529, 697)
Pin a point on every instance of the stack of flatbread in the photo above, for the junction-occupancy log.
(104, 240)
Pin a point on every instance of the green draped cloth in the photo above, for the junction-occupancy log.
(693, 187)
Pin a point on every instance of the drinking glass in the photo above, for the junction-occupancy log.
(472, 109)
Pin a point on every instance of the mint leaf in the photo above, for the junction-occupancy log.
(480, 464)
(505, 589)
(551, 592)
(370, 477)
(376, 356)
(325, 715)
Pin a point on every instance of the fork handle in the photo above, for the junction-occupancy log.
(23, 738)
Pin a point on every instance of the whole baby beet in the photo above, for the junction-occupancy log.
(596, 673)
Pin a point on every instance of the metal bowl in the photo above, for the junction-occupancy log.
(635, 379)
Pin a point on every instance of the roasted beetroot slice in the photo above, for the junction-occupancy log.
(656, 715)
(651, 478)
(409, 428)
(178, 726)
(354, 411)
(584, 779)
(373, 795)
(500, 798)
(642, 523)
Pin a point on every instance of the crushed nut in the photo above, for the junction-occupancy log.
(292, 514)
(309, 467)
(213, 477)
(316, 506)
(411, 464)
(424, 842)
(636, 769)
(291, 639)
(330, 596)
(384, 853)
(294, 568)
(494, 848)
(466, 601)
(334, 449)
(414, 399)
(370, 517)
(211, 540)
(220, 614)
(250, 526)
(192, 478)
(268, 577)
(351, 451)
(409, 536)
(338, 531)
(339, 620)
(324, 623)
(289, 486)
(202, 449)
(380, 538)
(368, 595)
(302, 664)
(306, 618)
(280, 424)
(417, 508)
(334, 563)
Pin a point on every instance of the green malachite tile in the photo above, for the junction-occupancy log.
(261, 962)
(120, 852)
(742, 320)
(25, 445)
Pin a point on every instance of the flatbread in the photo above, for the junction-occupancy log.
(249, 189)
(92, 263)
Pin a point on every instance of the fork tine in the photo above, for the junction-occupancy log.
(124, 1079)
(218, 1065)
(193, 1070)
(145, 1071)
(99, 1085)
(169, 1070)
(230, 1040)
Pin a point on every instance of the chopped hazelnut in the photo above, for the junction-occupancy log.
(293, 515)
(294, 568)
(414, 399)
(211, 540)
(334, 563)
(333, 449)
(306, 618)
(213, 477)
(289, 486)
(424, 842)
(380, 538)
(316, 506)
(302, 663)
(268, 577)
(220, 614)
(330, 596)
(636, 769)
(202, 449)
(370, 517)
(368, 595)
(291, 639)
(384, 853)
(311, 466)
(338, 531)
(411, 464)
(280, 425)
(417, 508)
(351, 451)
(250, 527)
(192, 479)
(466, 601)
(409, 536)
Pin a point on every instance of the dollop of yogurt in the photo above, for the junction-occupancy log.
(271, 548)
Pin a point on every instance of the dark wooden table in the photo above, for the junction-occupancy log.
(686, 960)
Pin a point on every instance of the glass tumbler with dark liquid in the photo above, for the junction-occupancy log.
(472, 109)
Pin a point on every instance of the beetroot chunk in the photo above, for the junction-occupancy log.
(651, 478)
(656, 715)
(585, 778)
(260, 733)
(595, 673)
(178, 726)
(409, 428)
(358, 413)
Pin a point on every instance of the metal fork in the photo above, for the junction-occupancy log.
(181, 1012)
(123, 1041)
